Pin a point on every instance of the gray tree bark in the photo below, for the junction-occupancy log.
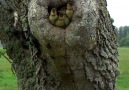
(83, 56)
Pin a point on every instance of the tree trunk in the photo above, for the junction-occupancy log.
(82, 56)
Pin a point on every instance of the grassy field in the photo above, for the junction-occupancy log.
(123, 79)
(8, 80)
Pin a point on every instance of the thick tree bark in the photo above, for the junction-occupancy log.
(83, 56)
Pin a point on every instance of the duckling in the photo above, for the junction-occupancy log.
(66, 19)
(53, 16)
(60, 20)
(69, 11)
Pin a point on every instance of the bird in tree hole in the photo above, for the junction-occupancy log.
(53, 16)
(69, 11)
(66, 19)
(60, 22)
(64, 16)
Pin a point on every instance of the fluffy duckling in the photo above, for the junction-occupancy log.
(53, 16)
(60, 20)
(66, 19)
(69, 10)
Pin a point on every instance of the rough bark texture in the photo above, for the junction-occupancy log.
(83, 56)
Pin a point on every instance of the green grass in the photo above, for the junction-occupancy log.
(8, 80)
(123, 78)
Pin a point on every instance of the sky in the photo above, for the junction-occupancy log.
(119, 11)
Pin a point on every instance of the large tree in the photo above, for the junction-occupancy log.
(82, 56)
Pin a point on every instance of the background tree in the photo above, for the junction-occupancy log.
(123, 35)
(83, 56)
(0, 45)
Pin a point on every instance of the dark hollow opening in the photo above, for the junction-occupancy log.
(58, 7)
(53, 57)
(48, 46)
